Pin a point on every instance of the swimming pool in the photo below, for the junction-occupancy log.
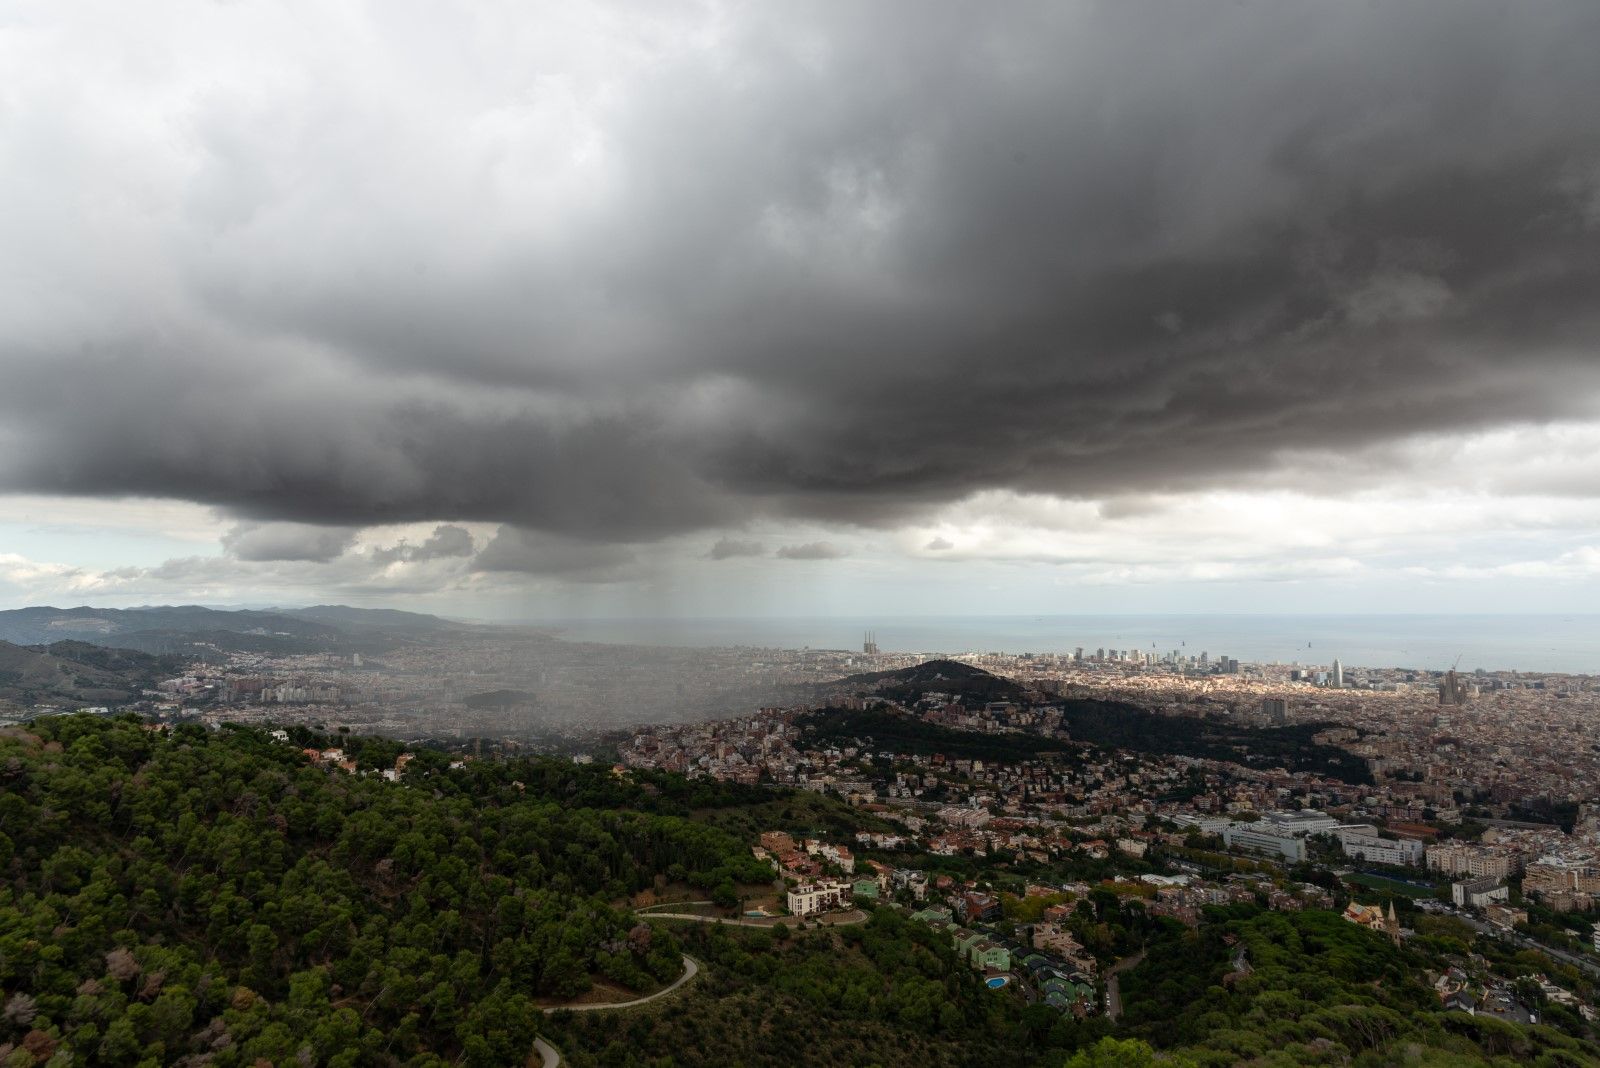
(998, 981)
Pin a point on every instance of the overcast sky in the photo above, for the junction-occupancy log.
(532, 310)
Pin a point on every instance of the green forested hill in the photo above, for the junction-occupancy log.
(70, 672)
(887, 993)
(212, 898)
(972, 685)
(899, 733)
(217, 898)
(1319, 990)
(1118, 725)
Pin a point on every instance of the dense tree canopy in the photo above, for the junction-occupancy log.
(1318, 990)
(200, 897)
(216, 898)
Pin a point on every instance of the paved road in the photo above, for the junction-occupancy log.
(844, 919)
(551, 1057)
(1527, 943)
(1114, 984)
(690, 970)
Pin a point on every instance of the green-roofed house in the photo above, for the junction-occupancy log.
(966, 942)
(987, 954)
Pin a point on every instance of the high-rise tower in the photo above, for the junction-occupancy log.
(1452, 691)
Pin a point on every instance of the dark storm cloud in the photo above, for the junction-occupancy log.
(835, 261)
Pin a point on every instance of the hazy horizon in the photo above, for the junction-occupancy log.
(1567, 643)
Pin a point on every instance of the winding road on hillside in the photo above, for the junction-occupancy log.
(832, 919)
(690, 970)
(841, 919)
(550, 1057)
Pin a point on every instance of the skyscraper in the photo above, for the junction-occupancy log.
(1336, 680)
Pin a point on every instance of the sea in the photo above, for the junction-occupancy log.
(1567, 644)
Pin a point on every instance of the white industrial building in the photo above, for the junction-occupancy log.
(1476, 893)
(1361, 841)
(812, 898)
(1302, 822)
(1244, 836)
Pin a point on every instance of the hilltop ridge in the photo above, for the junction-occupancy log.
(194, 630)
(972, 685)
(78, 673)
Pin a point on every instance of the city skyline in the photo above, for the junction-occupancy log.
(706, 310)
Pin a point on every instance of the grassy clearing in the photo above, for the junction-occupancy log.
(1389, 886)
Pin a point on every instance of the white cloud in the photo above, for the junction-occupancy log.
(137, 516)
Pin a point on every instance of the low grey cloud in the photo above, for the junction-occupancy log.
(727, 548)
(939, 545)
(445, 542)
(1133, 506)
(811, 550)
(535, 553)
(286, 541)
(808, 266)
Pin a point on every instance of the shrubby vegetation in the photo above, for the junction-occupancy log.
(1116, 725)
(75, 673)
(973, 686)
(887, 993)
(1106, 724)
(1320, 991)
(899, 733)
(800, 812)
(213, 898)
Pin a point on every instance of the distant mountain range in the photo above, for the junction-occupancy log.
(191, 630)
